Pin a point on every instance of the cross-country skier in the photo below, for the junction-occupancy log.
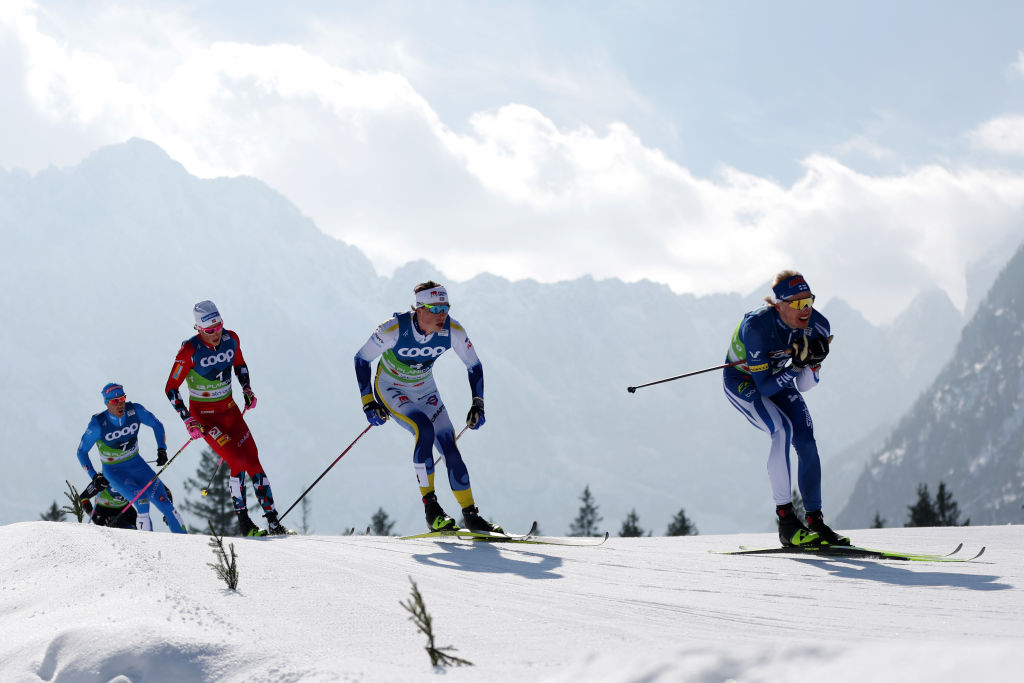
(205, 361)
(409, 343)
(783, 345)
(109, 509)
(115, 433)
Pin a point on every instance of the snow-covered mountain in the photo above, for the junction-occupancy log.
(967, 428)
(80, 603)
(103, 261)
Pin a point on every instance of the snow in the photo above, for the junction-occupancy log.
(82, 603)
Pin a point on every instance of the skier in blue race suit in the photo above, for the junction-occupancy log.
(114, 432)
(781, 346)
(408, 345)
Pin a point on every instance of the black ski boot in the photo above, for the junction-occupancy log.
(437, 518)
(792, 532)
(247, 526)
(817, 525)
(276, 528)
(474, 522)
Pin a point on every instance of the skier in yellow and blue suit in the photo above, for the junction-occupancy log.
(409, 343)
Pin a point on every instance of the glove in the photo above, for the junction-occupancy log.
(376, 414)
(161, 457)
(86, 505)
(818, 349)
(195, 430)
(475, 418)
(250, 398)
(800, 353)
(100, 482)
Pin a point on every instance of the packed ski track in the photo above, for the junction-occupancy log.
(82, 603)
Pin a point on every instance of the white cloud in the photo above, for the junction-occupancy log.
(369, 159)
(1004, 135)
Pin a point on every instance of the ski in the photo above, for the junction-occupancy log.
(530, 537)
(467, 534)
(564, 540)
(853, 551)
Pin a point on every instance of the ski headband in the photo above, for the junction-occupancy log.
(206, 314)
(432, 296)
(111, 391)
(790, 288)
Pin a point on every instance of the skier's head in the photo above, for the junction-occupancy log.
(113, 396)
(793, 299)
(432, 305)
(209, 324)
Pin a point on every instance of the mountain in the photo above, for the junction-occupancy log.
(967, 428)
(103, 262)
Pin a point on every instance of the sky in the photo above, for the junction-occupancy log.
(878, 148)
(85, 603)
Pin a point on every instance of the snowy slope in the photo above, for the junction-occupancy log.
(81, 603)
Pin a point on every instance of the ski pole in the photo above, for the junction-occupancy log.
(215, 472)
(219, 463)
(325, 472)
(632, 390)
(139, 494)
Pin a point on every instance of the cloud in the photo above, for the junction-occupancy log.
(1004, 135)
(367, 156)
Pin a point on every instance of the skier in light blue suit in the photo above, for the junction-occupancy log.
(114, 432)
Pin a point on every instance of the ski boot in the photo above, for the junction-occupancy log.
(437, 518)
(276, 528)
(817, 525)
(247, 526)
(792, 532)
(474, 522)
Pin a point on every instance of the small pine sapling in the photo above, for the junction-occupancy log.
(438, 655)
(75, 508)
(227, 569)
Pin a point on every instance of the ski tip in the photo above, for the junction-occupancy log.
(957, 549)
(980, 552)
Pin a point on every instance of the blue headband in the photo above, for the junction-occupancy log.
(791, 287)
(111, 391)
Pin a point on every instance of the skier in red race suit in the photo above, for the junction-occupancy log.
(205, 362)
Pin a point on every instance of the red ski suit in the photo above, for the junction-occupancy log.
(207, 370)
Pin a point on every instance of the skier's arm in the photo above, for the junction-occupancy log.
(760, 366)
(464, 350)
(238, 362)
(182, 366)
(150, 420)
(382, 339)
(89, 438)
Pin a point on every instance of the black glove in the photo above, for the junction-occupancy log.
(161, 457)
(475, 418)
(800, 353)
(376, 414)
(817, 348)
(100, 482)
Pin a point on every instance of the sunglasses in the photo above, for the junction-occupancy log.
(119, 399)
(436, 308)
(211, 330)
(801, 304)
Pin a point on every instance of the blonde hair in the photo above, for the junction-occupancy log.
(779, 277)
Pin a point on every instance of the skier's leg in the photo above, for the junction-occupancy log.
(164, 504)
(808, 461)
(458, 474)
(765, 415)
